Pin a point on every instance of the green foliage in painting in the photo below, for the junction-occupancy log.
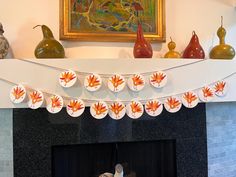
(112, 15)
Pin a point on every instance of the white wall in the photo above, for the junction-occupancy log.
(182, 16)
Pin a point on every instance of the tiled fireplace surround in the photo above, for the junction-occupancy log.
(221, 131)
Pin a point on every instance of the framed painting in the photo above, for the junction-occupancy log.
(111, 20)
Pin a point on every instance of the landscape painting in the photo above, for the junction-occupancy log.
(111, 20)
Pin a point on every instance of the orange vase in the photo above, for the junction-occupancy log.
(142, 48)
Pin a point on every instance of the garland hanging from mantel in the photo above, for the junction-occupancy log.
(116, 109)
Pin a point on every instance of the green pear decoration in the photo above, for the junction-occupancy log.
(222, 51)
(48, 47)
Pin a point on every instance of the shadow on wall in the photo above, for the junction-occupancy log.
(227, 2)
(77, 49)
(27, 39)
(10, 53)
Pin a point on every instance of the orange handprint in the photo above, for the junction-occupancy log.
(157, 78)
(99, 108)
(116, 81)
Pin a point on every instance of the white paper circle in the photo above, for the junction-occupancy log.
(190, 99)
(134, 109)
(206, 94)
(55, 104)
(99, 110)
(136, 82)
(221, 88)
(154, 108)
(17, 94)
(158, 79)
(75, 108)
(36, 99)
(93, 82)
(173, 104)
(116, 83)
(117, 110)
(67, 78)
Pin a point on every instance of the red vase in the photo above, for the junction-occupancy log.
(142, 48)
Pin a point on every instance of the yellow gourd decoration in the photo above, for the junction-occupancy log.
(222, 51)
(48, 47)
(172, 53)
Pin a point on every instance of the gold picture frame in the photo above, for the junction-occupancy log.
(109, 21)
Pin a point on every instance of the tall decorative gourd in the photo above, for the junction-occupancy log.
(194, 49)
(48, 47)
(222, 51)
(172, 53)
(142, 47)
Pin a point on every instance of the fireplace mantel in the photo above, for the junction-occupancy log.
(43, 74)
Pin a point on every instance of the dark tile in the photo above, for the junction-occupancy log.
(192, 157)
(36, 131)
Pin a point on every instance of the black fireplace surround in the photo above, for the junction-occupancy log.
(37, 132)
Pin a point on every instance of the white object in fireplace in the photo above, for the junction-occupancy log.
(118, 172)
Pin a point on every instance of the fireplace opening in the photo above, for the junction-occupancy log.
(138, 159)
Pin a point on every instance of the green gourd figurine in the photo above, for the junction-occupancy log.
(48, 47)
(172, 53)
(222, 51)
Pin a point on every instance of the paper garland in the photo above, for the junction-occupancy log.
(117, 110)
(116, 83)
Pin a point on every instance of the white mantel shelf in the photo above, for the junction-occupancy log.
(180, 79)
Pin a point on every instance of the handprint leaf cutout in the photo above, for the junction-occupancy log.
(152, 106)
(173, 103)
(135, 107)
(220, 87)
(56, 102)
(36, 97)
(18, 92)
(67, 77)
(116, 81)
(93, 81)
(75, 105)
(99, 108)
(157, 78)
(137, 80)
(207, 92)
(116, 108)
(190, 97)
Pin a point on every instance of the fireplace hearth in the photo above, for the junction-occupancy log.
(39, 135)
